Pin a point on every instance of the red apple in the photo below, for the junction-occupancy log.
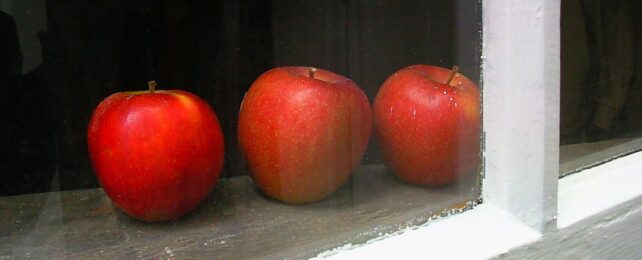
(427, 121)
(303, 131)
(157, 154)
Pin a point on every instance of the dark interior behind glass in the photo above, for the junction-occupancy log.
(601, 81)
(66, 56)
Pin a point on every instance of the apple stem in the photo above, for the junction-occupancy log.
(152, 86)
(311, 72)
(452, 74)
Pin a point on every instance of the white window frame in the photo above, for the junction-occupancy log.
(523, 201)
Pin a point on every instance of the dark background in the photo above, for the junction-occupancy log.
(59, 59)
(601, 70)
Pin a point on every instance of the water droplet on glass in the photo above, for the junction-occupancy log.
(451, 99)
(445, 93)
(455, 104)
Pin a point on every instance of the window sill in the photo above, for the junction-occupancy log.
(236, 221)
(607, 197)
(480, 233)
(578, 157)
(597, 189)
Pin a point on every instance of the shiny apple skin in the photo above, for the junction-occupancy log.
(302, 137)
(428, 132)
(156, 155)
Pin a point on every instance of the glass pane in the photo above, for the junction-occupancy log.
(263, 159)
(601, 87)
